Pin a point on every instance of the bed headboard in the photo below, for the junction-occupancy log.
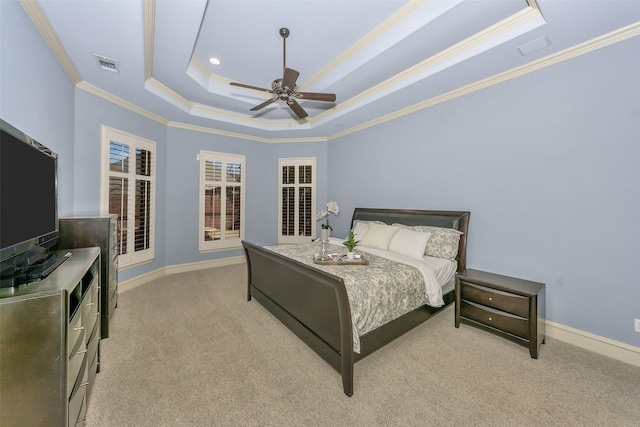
(448, 219)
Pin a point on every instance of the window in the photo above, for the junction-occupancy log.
(128, 190)
(296, 217)
(221, 201)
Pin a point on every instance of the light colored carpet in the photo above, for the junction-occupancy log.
(189, 350)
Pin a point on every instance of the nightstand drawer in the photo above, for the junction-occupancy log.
(510, 303)
(511, 324)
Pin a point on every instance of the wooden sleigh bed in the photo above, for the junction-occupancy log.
(314, 304)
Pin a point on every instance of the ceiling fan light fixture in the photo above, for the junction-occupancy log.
(214, 61)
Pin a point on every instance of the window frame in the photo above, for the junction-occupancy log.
(296, 162)
(132, 257)
(224, 243)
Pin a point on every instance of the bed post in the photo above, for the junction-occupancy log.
(346, 351)
(248, 260)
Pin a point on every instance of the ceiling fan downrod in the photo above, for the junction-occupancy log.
(284, 33)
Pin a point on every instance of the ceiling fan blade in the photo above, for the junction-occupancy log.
(290, 77)
(297, 108)
(315, 96)
(264, 104)
(251, 87)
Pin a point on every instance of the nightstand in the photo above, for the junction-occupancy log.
(512, 307)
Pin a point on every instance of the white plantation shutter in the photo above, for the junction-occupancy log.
(143, 199)
(221, 201)
(296, 217)
(128, 186)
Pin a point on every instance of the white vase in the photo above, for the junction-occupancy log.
(350, 256)
(324, 235)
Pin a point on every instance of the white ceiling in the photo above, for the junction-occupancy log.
(381, 58)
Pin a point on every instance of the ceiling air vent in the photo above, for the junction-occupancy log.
(534, 45)
(107, 64)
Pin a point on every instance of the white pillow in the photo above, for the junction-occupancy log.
(379, 236)
(444, 242)
(360, 229)
(410, 243)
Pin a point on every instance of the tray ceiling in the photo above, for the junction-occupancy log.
(382, 59)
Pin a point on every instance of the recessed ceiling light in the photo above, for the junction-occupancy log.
(214, 61)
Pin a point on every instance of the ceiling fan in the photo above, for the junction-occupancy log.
(285, 88)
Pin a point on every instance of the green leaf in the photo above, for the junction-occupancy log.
(351, 241)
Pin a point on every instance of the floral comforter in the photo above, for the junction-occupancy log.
(378, 293)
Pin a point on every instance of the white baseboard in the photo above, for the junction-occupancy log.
(202, 265)
(601, 345)
(179, 268)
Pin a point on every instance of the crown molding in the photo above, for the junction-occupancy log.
(205, 111)
(600, 42)
(149, 12)
(510, 27)
(141, 111)
(38, 18)
(404, 22)
(238, 135)
(530, 16)
(400, 19)
(87, 87)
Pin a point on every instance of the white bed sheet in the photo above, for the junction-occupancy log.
(367, 313)
(437, 272)
(444, 269)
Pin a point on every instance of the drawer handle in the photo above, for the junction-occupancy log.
(490, 299)
(82, 351)
(490, 318)
(81, 328)
(89, 304)
(84, 384)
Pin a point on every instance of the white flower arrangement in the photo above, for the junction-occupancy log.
(332, 207)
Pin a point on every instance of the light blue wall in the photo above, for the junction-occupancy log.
(36, 95)
(91, 113)
(183, 175)
(261, 209)
(549, 166)
(68, 120)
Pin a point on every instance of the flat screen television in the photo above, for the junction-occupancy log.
(28, 199)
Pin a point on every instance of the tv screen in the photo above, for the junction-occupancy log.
(28, 194)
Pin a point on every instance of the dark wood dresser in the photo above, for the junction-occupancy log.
(96, 231)
(512, 307)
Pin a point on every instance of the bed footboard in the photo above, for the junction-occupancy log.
(311, 303)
